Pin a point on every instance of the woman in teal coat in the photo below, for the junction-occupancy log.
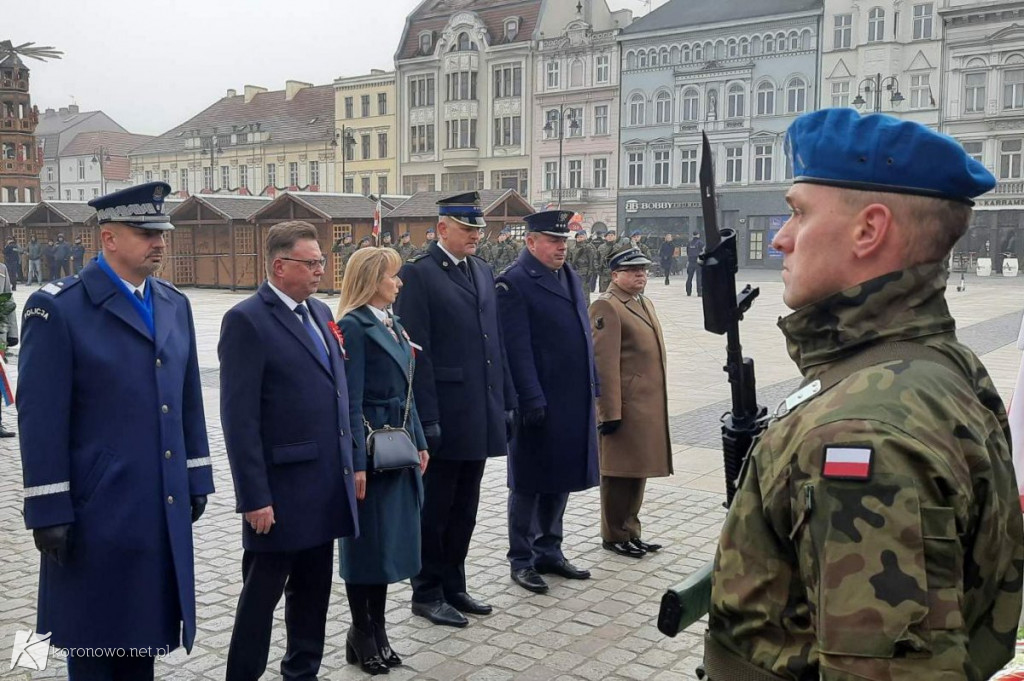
(379, 365)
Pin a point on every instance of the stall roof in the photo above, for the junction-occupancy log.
(11, 213)
(424, 204)
(230, 206)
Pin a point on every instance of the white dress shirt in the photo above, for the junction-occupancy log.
(292, 305)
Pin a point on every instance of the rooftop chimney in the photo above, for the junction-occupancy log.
(251, 91)
(72, 108)
(232, 93)
(292, 87)
(49, 112)
(63, 111)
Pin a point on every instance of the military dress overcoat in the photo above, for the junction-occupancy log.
(630, 355)
(551, 356)
(113, 441)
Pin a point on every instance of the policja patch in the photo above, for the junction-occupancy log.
(846, 462)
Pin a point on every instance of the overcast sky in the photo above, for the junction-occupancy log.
(151, 66)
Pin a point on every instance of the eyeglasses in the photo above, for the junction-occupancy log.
(311, 264)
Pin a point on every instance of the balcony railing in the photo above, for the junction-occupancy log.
(1003, 187)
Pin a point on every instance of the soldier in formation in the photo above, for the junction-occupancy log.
(583, 258)
(505, 251)
(405, 248)
(344, 248)
(604, 252)
(876, 532)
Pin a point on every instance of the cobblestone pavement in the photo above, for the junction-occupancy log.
(603, 628)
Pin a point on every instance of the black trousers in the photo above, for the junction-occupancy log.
(691, 270)
(304, 577)
(110, 668)
(367, 603)
(451, 496)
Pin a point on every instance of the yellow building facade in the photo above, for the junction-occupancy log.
(366, 134)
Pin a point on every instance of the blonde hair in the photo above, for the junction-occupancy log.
(364, 271)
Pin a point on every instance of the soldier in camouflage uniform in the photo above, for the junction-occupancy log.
(431, 238)
(504, 251)
(405, 248)
(604, 251)
(343, 249)
(583, 258)
(485, 249)
(876, 533)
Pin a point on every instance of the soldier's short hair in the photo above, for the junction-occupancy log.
(282, 237)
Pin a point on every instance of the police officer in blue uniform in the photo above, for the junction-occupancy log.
(464, 397)
(544, 315)
(113, 444)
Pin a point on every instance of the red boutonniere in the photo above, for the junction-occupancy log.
(340, 338)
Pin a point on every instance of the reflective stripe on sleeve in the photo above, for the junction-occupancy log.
(42, 490)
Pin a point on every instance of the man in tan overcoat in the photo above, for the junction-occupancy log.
(632, 410)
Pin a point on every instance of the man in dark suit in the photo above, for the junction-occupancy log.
(113, 447)
(464, 396)
(286, 419)
(547, 332)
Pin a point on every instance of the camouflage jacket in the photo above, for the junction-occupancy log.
(406, 251)
(908, 567)
(504, 254)
(583, 258)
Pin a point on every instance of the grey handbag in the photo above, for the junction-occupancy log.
(389, 448)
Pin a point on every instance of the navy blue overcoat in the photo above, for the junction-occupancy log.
(113, 440)
(551, 356)
(286, 421)
(461, 377)
(388, 547)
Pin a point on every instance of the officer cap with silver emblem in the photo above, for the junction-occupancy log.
(463, 208)
(550, 222)
(141, 206)
(629, 257)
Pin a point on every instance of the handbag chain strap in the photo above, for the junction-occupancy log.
(408, 397)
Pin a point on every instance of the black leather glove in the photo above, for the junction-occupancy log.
(609, 427)
(54, 542)
(198, 506)
(510, 420)
(432, 432)
(534, 418)
(11, 341)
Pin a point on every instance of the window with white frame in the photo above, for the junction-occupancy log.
(698, 52)
(641, 60)
(736, 101)
(1010, 159)
(663, 107)
(461, 85)
(691, 104)
(511, 29)
(734, 164)
(81, 168)
(507, 131)
(271, 175)
(551, 124)
(688, 166)
(574, 125)
(49, 173)
(550, 175)
(974, 92)
(637, 109)
(554, 75)
(293, 174)
(382, 104)
(687, 54)
(764, 159)
(225, 177)
(461, 133)
(600, 173)
(421, 91)
(662, 167)
(601, 119)
(243, 176)
(923, 21)
(1013, 89)
(794, 42)
(841, 93)
(575, 173)
(796, 96)
(183, 180)
(635, 167)
(508, 81)
(769, 44)
(920, 92)
(425, 43)
(149, 176)
(365, 143)
(876, 25)
(732, 48)
(603, 68)
(744, 47)
(314, 173)
(382, 145)
(842, 35)
(364, 183)
(766, 99)
(975, 149)
(165, 176)
(81, 195)
(421, 138)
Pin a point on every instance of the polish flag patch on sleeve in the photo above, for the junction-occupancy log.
(847, 462)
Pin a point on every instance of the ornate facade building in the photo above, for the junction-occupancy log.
(464, 84)
(365, 133)
(741, 73)
(19, 157)
(576, 110)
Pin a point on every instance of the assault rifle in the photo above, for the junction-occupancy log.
(723, 310)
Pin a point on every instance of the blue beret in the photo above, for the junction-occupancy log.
(581, 232)
(552, 222)
(629, 257)
(841, 148)
(141, 205)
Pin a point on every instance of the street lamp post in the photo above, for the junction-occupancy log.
(101, 155)
(875, 85)
(574, 125)
(347, 141)
(213, 149)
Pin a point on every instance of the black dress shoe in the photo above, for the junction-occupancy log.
(7, 433)
(529, 580)
(463, 602)
(439, 612)
(644, 546)
(624, 548)
(387, 653)
(564, 568)
(362, 648)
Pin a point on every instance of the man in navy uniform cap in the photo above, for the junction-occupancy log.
(113, 445)
(551, 356)
(464, 397)
(876, 532)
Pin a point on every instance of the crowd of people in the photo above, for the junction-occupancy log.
(876, 532)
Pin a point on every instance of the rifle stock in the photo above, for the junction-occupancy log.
(683, 605)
